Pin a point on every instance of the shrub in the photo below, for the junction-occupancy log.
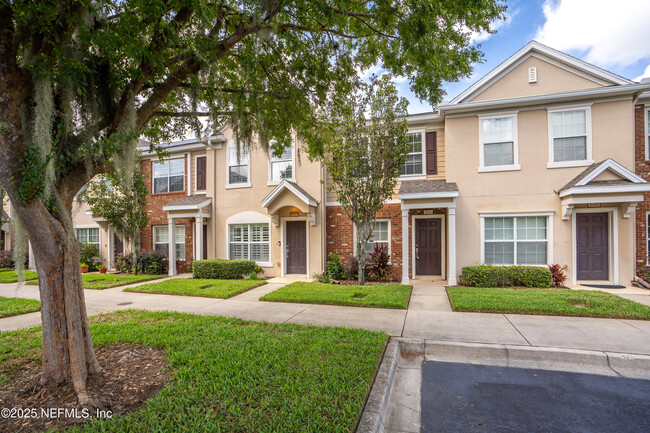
(7, 259)
(149, 262)
(558, 276)
(222, 269)
(502, 276)
(321, 277)
(254, 276)
(89, 254)
(351, 267)
(377, 266)
(334, 267)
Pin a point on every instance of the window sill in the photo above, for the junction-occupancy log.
(568, 164)
(490, 169)
(238, 185)
(408, 177)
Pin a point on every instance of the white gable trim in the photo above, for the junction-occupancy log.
(594, 72)
(614, 166)
(287, 185)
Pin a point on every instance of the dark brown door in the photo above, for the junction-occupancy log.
(428, 246)
(205, 242)
(201, 173)
(296, 248)
(592, 244)
(118, 245)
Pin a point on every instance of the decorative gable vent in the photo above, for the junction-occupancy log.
(532, 74)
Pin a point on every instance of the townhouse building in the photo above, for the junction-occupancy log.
(642, 168)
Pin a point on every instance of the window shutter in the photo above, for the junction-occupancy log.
(201, 174)
(432, 152)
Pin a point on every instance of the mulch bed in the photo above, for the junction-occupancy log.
(131, 375)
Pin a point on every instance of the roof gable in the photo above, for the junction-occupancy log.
(601, 174)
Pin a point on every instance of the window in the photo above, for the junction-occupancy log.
(238, 167)
(498, 143)
(88, 235)
(161, 240)
(413, 164)
(249, 242)
(516, 240)
(647, 237)
(381, 234)
(570, 137)
(169, 176)
(282, 166)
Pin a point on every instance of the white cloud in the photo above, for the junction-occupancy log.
(646, 74)
(496, 25)
(610, 33)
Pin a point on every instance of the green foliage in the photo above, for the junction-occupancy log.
(15, 306)
(11, 276)
(351, 267)
(502, 276)
(106, 281)
(151, 263)
(89, 254)
(334, 266)
(321, 277)
(208, 288)
(222, 269)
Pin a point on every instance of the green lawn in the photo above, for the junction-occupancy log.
(15, 306)
(232, 375)
(382, 296)
(556, 302)
(10, 276)
(198, 287)
(97, 281)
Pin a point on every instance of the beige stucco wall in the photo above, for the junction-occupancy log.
(533, 187)
(80, 219)
(550, 79)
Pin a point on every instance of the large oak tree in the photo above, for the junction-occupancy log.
(81, 80)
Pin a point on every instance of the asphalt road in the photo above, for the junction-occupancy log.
(476, 398)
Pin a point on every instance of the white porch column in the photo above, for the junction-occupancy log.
(171, 233)
(198, 239)
(32, 261)
(111, 249)
(405, 246)
(451, 273)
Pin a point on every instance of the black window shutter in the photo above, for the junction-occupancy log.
(201, 174)
(432, 152)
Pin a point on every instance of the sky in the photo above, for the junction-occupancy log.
(614, 35)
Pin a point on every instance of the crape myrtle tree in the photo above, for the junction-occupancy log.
(81, 80)
(364, 157)
(122, 205)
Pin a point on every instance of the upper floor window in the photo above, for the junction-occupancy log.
(498, 143)
(282, 166)
(413, 164)
(238, 165)
(88, 235)
(570, 137)
(169, 176)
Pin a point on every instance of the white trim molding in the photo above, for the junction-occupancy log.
(482, 168)
(424, 195)
(612, 233)
(272, 181)
(588, 138)
(249, 217)
(286, 184)
(283, 260)
(443, 243)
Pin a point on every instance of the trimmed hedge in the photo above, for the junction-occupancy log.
(223, 269)
(504, 276)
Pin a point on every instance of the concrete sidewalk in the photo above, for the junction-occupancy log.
(428, 317)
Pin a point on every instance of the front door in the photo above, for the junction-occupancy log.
(118, 245)
(592, 246)
(296, 248)
(428, 246)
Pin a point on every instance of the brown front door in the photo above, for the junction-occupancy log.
(592, 246)
(296, 248)
(428, 246)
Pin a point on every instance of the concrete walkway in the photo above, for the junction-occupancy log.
(428, 317)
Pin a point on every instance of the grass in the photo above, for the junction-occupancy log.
(106, 281)
(556, 302)
(10, 276)
(232, 375)
(382, 296)
(198, 287)
(15, 306)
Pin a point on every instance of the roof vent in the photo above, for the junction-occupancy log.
(532, 74)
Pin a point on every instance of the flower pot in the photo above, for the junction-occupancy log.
(102, 270)
(84, 269)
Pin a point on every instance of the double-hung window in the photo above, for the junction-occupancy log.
(161, 240)
(413, 164)
(498, 143)
(570, 137)
(88, 235)
(169, 176)
(249, 242)
(380, 236)
(522, 240)
(282, 165)
(238, 165)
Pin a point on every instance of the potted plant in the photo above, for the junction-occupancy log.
(102, 269)
(84, 268)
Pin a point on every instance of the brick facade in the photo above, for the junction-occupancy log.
(642, 168)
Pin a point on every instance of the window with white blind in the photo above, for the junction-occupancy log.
(521, 240)
(414, 159)
(570, 137)
(161, 240)
(169, 176)
(238, 165)
(249, 242)
(282, 166)
(498, 143)
(87, 235)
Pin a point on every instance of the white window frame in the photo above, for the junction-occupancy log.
(99, 234)
(272, 181)
(153, 175)
(515, 144)
(551, 151)
(176, 227)
(390, 235)
(229, 185)
(647, 238)
(269, 263)
(515, 215)
(646, 133)
(196, 172)
(423, 175)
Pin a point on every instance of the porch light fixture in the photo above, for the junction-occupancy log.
(294, 214)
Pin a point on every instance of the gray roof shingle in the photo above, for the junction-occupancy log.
(191, 200)
(424, 186)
